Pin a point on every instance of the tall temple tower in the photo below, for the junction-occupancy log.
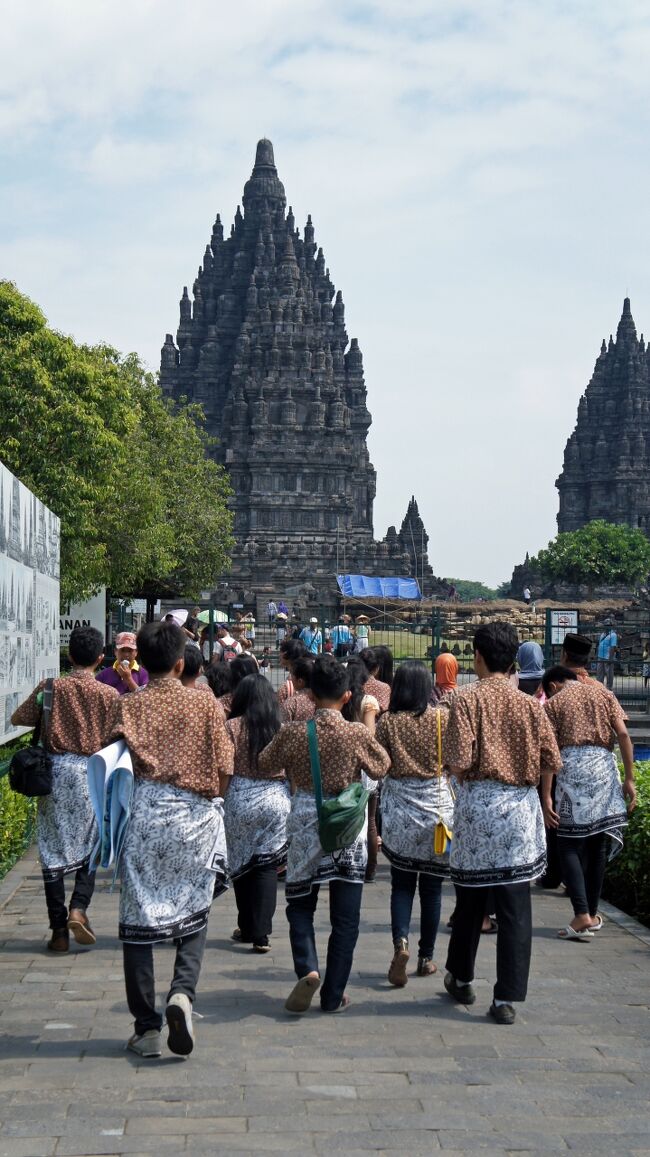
(264, 349)
(606, 470)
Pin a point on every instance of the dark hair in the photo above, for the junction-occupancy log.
(302, 669)
(193, 661)
(242, 666)
(293, 649)
(329, 678)
(411, 690)
(358, 676)
(497, 644)
(369, 658)
(384, 657)
(85, 646)
(160, 646)
(219, 677)
(557, 675)
(256, 701)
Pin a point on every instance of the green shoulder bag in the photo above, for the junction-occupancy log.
(340, 819)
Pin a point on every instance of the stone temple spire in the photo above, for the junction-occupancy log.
(606, 472)
(263, 348)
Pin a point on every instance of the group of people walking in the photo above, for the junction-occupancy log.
(229, 784)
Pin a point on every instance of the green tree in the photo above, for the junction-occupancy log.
(142, 507)
(600, 552)
(469, 590)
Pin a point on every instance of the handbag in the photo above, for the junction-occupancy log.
(340, 819)
(442, 836)
(30, 770)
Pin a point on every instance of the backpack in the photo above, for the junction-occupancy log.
(228, 653)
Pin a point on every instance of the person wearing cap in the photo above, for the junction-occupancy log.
(607, 644)
(575, 653)
(312, 637)
(126, 674)
(361, 633)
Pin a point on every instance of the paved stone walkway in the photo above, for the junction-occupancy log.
(402, 1072)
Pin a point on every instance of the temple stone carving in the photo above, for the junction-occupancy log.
(262, 345)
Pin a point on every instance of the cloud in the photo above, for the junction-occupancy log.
(477, 177)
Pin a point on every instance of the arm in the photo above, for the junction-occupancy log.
(373, 758)
(271, 761)
(28, 714)
(458, 740)
(627, 752)
(223, 757)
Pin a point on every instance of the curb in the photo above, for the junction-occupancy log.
(627, 923)
(17, 875)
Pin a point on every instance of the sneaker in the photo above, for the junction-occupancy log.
(397, 971)
(80, 928)
(237, 936)
(463, 993)
(178, 1015)
(147, 1045)
(262, 947)
(426, 967)
(502, 1013)
(59, 940)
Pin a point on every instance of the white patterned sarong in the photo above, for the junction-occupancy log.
(66, 827)
(499, 835)
(255, 816)
(307, 864)
(410, 809)
(589, 795)
(167, 886)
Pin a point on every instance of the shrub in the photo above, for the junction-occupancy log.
(17, 816)
(627, 882)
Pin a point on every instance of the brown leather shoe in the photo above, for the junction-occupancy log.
(397, 974)
(59, 940)
(80, 928)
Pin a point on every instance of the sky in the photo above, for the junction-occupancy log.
(477, 172)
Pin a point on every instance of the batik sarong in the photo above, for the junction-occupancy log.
(499, 835)
(255, 817)
(307, 864)
(410, 809)
(589, 795)
(66, 827)
(167, 885)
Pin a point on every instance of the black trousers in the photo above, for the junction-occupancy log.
(514, 936)
(256, 894)
(583, 869)
(82, 892)
(140, 982)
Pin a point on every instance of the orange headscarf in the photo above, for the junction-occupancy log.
(446, 669)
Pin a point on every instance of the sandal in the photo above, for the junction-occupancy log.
(302, 993)
(492, 927)
(570, 933)
(345, 1003)
(597, 927)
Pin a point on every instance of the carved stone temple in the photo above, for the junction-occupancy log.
(262, 346)
(606, 470)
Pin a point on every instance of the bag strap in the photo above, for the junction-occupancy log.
(314, 759)
(46, 711)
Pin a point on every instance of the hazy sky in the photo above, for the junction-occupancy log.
(478, 175)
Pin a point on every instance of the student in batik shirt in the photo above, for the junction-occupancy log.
(65, 824)
(290, 651)
(255, 813)
(497, 742)
(589, 811)
(363, 707)
(346, 749)
(299, 707)
(181, 759)
(374, 685)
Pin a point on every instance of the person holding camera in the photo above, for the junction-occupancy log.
(126, 674)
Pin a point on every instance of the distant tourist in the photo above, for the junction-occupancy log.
(125, 674)
(66, 828)
(312, 637)
(527, 595)
(607, 644)
(341, 637)
(271, 612)
(361, 633)
(446, 672)
(283, 609)
(496, 744)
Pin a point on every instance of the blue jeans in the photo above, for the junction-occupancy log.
(401, 905)
(345, 910)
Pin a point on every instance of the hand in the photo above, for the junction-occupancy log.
(629, 791)
(551, 818)
(127, 678)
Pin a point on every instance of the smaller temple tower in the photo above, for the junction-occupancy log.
(606, 471)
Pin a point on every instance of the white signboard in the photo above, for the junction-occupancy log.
(563, 623)
(91, 613)
(29, 597)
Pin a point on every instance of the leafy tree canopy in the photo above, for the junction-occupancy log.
(469, 591)
(600, 552)
(142, 507)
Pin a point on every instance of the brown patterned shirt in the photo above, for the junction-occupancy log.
(225, 703)
(584, 714)
(496, 732)
(238, 733)
(81, 713)
(175, 736)
(346, 749)
(297, 708)
(381, 691)
(412, 741)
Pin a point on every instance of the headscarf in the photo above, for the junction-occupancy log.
(446, 669)
(530, 658)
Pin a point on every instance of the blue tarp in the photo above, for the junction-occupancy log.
(359, 586)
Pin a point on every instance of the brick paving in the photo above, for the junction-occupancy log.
(402, 1072)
